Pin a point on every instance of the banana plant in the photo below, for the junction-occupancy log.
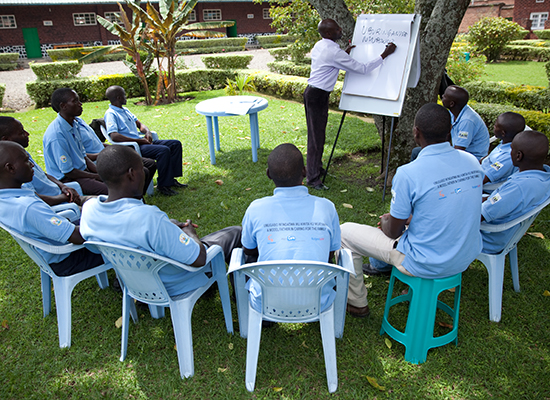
(163, 28)
(133, 38)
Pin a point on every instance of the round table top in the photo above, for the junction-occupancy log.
(231, 105)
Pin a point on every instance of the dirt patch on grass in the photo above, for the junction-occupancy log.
(360, 169)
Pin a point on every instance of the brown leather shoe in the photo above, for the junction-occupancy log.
(358, 312)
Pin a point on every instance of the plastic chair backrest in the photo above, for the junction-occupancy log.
(133, 144)
(139, 270)
(291, 290)
(30, 245)
(524, 222)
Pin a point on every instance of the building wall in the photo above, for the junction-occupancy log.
(486, 8)
(524, 8)
(63, 30)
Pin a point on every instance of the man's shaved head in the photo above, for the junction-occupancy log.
(533, 145)
(286, 165)
(113, 92)
(329, 29)
(457, 94)
(114, 161)
(512, 123)
(8, 152)
(434, 121)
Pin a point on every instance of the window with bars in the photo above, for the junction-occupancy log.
(212, 15)
(7, 22)
(192, 16)
(266, 13)
(538, 20)
(112, 16)
(83, 19)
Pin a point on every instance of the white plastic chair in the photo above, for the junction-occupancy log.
(68, 211)
(151, 187)
(291, 292)
(63, 285)
(138, 271)
(495, 262)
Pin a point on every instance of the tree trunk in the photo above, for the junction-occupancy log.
(440, 22)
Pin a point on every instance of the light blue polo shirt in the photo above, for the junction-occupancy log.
(40, 182)
(442, 190)
(90, 141)
(498, 165)
(469, 131)
(521, 193)
(63, 148)
(131, 223)
(121, 120)
(291, 225)
(24, 212)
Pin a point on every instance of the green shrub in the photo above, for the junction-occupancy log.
(273, 41)
(8, 67)
(57, 70)
(207, 46)
(75, 53)
(490, 35)
(543, 34)
(524, 96)
(536, 120)
(529, 42)
(91, 88)
(227, 62)
(8, 58)
(547, 68)
(289, 68)
(193, 80)
(2, 92)
(280, 53)
(462, 71)
(524, 53)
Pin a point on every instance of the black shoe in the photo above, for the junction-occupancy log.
(116, 285)
(370, 270)
(177, 184)
(165, 191)
(358, 312)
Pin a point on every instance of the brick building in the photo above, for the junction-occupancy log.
(31, 27)
(487, 8)
(532, 14)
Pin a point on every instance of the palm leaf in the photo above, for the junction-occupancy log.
(204, 34)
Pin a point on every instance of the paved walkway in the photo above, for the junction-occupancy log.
(16, 96)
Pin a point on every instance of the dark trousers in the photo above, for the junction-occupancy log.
(227, 238)
(78, 261)
(150, 167)
(89, 186)
(167, 154)
(316, 106)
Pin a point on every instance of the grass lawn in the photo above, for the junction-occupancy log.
(518, 72)
(510, 359)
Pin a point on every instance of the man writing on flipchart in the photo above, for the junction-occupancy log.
(327, 59)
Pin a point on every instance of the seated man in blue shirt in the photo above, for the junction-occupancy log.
(49, 189)
(22, 211)
(64, 153)
(123, 126)
(122, 218)
(438, 196)
(498, 165)
(521, 193)
(291, 224)
(468, 132)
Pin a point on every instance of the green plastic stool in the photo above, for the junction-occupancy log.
(418, 336)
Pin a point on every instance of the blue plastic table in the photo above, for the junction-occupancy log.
(229, 106)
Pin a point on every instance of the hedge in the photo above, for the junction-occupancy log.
(536, 120)
(527, 97)
(8, 67)
(524, 53)
(227, 62)
(2, 92)
(529, 42)
(216, 45)
(272, 41)
(58, 70)
(543, 34)
(93, 88)
(75, 53)
(8, 61)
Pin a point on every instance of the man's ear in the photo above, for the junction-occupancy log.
(304, 171)
(267, 173)
(519, 155)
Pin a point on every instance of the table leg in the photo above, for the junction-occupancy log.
(210, 140)
(254, 136)
(217, 133)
